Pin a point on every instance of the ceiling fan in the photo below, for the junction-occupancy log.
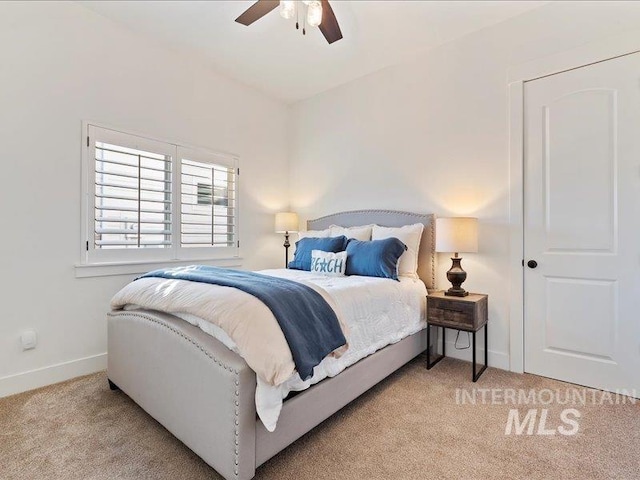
(319, 13)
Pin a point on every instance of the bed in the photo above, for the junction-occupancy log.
(204, 393)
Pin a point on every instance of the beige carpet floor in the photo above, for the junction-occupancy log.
(408, 427)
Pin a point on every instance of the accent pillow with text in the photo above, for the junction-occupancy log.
(329, 263)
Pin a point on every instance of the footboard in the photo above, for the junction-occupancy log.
(197, 388)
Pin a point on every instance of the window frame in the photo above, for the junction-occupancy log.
(95, 257)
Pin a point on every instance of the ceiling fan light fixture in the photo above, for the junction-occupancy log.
(287, 8)
(314, 13)
(317, 14)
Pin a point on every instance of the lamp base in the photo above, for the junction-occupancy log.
(286, 246)
(456, 275)
(452, 292)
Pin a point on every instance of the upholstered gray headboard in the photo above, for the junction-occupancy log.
(391, 218)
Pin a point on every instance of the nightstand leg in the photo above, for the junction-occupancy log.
(486, 348)
(475, 376)
(428, 345)
(439, 357)
(443, 335)
(473, 365)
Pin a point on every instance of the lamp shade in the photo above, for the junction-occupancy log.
(457, 235)
(286, 222)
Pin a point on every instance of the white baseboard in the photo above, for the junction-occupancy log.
(41, 377)
(496, 359)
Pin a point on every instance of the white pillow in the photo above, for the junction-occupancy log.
(315, 233)
(359, 233)
(329, 263)
(409, 235)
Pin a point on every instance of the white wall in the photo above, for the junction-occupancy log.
(431, 135)
(62, 64)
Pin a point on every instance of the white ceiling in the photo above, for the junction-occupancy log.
(272, 56)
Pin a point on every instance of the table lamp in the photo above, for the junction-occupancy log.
(456, 235)
(286, 222)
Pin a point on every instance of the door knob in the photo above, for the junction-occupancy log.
(532, 264)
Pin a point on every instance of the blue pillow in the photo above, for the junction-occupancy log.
(304, 247)
(375, 258)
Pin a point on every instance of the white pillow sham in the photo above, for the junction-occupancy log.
(315, 233)
(359, 233)
(329, 263)
(410, 235)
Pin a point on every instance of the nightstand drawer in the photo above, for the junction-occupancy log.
(466, 313)
(446, 315)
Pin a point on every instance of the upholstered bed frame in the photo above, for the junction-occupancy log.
(204, 393)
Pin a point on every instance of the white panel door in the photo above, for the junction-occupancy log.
(582, 225)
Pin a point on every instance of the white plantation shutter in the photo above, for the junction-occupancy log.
(149, 200)
(208, 202)
(132, 198)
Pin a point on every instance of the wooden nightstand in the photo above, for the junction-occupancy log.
(468, 314)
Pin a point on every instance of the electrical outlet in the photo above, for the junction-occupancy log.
(29, 339)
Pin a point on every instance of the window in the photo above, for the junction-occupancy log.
(132, 198)
(208, 199)
(152, 201)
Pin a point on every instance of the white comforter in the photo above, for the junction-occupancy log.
(376, 312)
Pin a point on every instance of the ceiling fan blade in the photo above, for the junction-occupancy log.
(329, 25)
(257, 11)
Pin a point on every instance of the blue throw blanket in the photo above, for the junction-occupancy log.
(309, 324)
